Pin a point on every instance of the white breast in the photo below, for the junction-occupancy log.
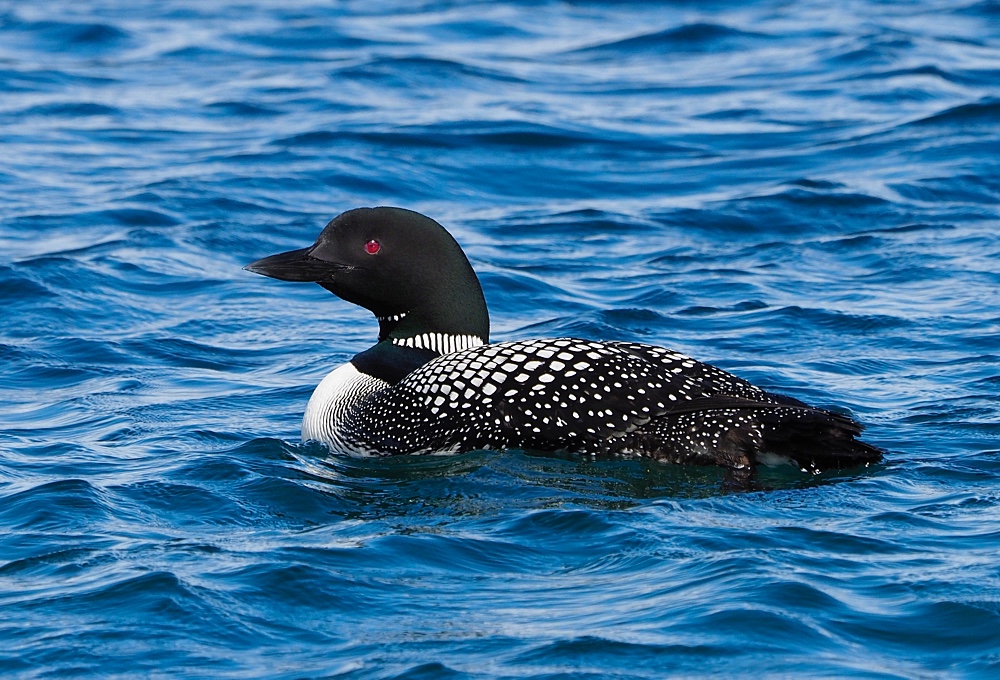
(344, 387)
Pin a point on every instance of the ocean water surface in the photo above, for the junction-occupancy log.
(804, 193)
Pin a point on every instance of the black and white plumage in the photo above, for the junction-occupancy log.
(433, 383)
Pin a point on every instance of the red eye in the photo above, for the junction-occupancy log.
(373, 247)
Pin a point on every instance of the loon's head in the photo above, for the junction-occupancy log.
(402, 266)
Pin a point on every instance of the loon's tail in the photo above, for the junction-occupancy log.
(740, 434)
(815, 440)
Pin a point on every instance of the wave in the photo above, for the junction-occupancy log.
(696, 37)
(66, 36)
(983, 112)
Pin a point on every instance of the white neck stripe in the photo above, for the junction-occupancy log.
(440, 342)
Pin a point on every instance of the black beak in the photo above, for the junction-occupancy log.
(296, 265)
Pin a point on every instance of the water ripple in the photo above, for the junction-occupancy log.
(803, 194)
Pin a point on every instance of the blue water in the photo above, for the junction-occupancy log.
(806, 194)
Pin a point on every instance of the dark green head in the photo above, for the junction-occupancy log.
(399, 264)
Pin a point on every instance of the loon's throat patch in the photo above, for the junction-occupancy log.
(441, 343)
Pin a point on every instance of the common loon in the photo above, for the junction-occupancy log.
(434, 383)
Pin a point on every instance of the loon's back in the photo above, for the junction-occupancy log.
(610, 398)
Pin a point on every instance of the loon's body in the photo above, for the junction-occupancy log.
(433, 383)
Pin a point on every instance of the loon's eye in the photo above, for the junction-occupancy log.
(373, 247)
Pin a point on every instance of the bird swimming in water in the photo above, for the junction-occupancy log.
(433, 383)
